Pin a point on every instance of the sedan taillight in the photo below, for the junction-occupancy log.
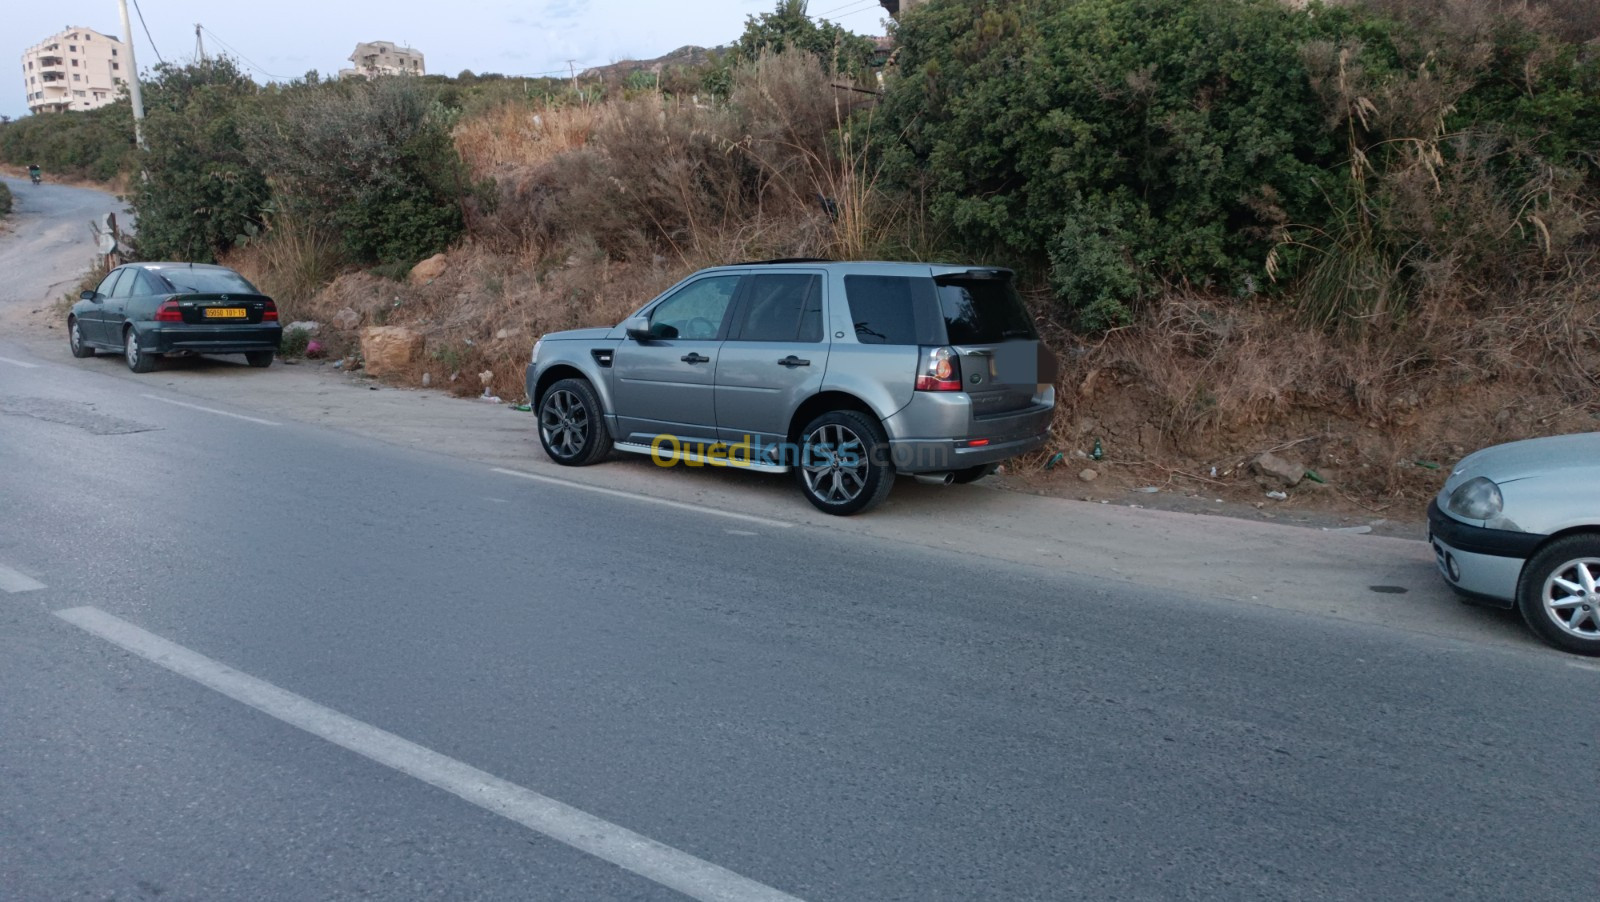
(270, 314)
(168, 312)
(940, 370)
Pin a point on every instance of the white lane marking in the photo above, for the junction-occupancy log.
(748, 518)
(22, 363)
(642, 855)
(12, 581)
(237, 416)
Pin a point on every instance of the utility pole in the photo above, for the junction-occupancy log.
(133, 77)
(199, 44)
(572, 66)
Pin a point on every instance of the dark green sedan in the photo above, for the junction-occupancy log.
(145, 311)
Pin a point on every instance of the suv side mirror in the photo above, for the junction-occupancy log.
(89, 295)
(638, 328)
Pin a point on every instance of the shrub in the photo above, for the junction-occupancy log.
(372, 162)
(1115, 144)
(97, 144)
(5, 200)
(202, 193)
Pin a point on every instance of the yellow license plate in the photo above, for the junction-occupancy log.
(225, 313)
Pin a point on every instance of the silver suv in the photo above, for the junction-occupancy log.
(843, 373)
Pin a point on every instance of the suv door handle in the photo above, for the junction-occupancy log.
(792, 361)
(694, 357)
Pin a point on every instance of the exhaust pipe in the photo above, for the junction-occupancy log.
(935, 478)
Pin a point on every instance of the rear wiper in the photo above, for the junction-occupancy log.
(1017, 333)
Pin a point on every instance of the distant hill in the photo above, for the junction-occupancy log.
(684, 57)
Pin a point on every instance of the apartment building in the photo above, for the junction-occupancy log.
(376, 58)
(76, 69)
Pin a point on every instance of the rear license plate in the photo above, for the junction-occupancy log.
(225, 313)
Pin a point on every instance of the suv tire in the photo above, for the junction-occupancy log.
(844, 465)
(572, 425)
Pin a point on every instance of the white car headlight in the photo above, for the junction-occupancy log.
(536, 345)
(1477, 499)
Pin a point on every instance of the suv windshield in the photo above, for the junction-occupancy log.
(982, 311)
(207, 281)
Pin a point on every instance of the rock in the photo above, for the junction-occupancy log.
(346, 319)
(427, 379)
(504, 334)
(390, 349)
(1088, 475)
(429, 269)
(1272, 470)
(303, 325)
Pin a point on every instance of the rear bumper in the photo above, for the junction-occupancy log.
(928, 455)
(171, 338)
(934, 432)
(1481, 563)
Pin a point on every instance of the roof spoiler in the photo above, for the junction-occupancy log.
(995, 272)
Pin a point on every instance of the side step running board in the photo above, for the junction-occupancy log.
(694, 458)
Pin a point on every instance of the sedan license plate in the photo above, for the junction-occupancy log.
(225, 313)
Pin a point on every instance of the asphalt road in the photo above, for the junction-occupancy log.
(775, 707)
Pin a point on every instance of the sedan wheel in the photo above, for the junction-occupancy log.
(138, 360)
(843, 463)
(1560, 594)
(571, 425)
(75, 339)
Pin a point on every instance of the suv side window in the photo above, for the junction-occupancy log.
(781, 307)
(696, 311)
(109, 282)
(884, 308)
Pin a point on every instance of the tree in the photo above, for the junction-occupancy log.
(201, 192)
(841, 51)
(1113, 145)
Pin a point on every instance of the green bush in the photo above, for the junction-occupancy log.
(97, 144)
(789, 27)
(202, 194)
(5, 200)
(372, 161)
(1113, 145)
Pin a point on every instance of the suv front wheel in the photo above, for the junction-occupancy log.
(844, 463)
(571, 426)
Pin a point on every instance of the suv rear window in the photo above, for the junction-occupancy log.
(982, 311)
(884, 308)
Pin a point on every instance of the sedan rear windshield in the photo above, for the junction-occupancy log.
(207, 281)
(982, 311)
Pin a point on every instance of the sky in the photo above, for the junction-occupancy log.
(284, 39)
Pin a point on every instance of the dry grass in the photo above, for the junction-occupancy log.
(1205, 381)
(517, 136)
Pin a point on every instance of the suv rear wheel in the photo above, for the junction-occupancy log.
(844, 463)
(571, 425)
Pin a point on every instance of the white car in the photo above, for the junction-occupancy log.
(1519, 525)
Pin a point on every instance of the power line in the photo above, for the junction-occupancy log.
(244, 59)
(859, 7)
(147, 32)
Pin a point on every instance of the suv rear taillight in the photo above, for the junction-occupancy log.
(940, 370)
(168, 312)
(270, 314)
